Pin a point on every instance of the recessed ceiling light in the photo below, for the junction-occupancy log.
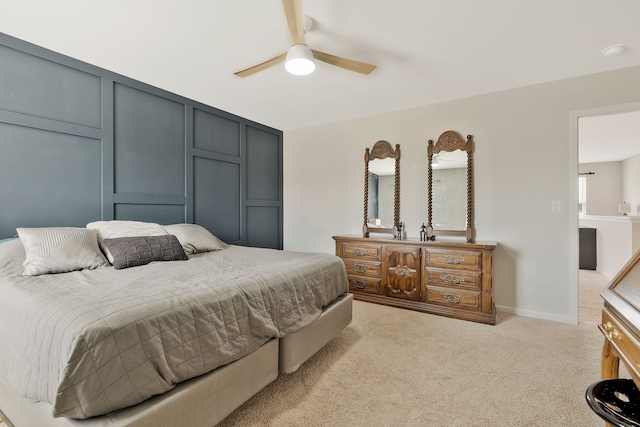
(615, 49)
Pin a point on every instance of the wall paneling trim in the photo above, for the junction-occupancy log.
(80, 143)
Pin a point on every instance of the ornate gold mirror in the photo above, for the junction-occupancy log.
(450, 186)
(381, 189)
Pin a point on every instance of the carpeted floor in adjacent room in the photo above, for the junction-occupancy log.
(590, 302)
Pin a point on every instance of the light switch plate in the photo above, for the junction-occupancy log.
(555, 206)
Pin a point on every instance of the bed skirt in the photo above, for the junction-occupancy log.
(202, 401)
(298, 347)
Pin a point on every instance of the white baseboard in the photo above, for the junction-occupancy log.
(537, 314)
(605, 274)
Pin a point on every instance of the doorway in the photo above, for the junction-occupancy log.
(601, 139)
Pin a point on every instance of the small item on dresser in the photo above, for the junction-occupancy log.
(399, 230)
(423, 233)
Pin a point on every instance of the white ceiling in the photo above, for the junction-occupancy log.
(427, 51)
(609, 138)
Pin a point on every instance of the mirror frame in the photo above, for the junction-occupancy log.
(451, 141)
(382, 150)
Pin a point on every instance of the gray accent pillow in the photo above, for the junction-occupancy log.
(118, 228)
(141, 250)
(195, 238)
(60, 250)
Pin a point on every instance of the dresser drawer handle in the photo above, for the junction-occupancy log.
(613, 335)
(450, 259)
(401, 272)
(611, 332)
(360, 252)
(451, 298)
(360, 268)
(451, 279)
(360, 284)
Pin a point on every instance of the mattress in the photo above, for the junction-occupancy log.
(93, 341)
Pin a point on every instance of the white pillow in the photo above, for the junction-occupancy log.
(115, 229)
(59, 250)
(195, 238)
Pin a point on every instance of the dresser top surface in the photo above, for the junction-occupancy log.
(441, 242)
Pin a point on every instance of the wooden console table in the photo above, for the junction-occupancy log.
(621, 322)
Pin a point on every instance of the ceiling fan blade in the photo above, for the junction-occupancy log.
(293, 12)
(261, 66)
(347, 64)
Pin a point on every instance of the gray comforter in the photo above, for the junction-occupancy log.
(90, 342)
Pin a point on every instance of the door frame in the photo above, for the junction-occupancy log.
(573, 193)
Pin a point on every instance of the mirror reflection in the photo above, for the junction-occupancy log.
(627, 287)
(381, 189)
(450, 190)
(381, 192)
(450, 186)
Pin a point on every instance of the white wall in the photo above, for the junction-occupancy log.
(604, 187)
(524, 160)
(635, 234)
(631, 182)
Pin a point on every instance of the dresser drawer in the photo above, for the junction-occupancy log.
(447, 278)
(454, 298)
(364, 284)
(365, 251)
(462, 279)
(447, 258)
(363, 268)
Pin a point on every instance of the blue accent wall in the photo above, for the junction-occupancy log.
(79, 143)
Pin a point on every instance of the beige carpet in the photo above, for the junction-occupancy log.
(590, 301)
(395, 367)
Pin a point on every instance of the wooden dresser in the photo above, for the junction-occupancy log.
(621, 322)
(453, 279)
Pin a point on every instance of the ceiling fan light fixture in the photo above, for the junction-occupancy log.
(300, 60)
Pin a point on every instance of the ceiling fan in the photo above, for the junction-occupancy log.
(299, 57)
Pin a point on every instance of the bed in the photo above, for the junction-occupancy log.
(183, 342)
